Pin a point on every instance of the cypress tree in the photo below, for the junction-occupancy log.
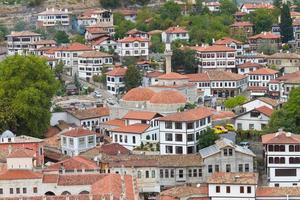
(286, 24)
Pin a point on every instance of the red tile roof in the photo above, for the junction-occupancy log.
(190, 115)
(135, 31)
(79, 179)
(246, 178)
(198, 77)
(133, 129)
(189, 192)
(176, 29)
(265, 35)
(133, 39)
(281, 137)
(265, 110)
(215, 76)
(19, 175)
(283, 192)
(138, 94)
(78, 132)
(50, 178)
(257, 6)
(154, 74)
(94, 54)
(241, 24)
(168, 97)
(213, 48)
(113, 149)
(141, 115)
(42, 42)
(96, 30)
(73, 47)
(249, 65)
(172, 76)
(76, 162)
(117, 71)
(263, 71)
(99, 40)
(22, 153)
(226, 41)
(90, 113)
(23, 34)
(115, 122)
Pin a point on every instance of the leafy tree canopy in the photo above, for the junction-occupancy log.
(207, 138)
(61, 37)
(132, 78)
(184, 59)
(228, 7)
(78, 38)
(288, 117)
(286, 24)
(234, 101)
(170, 10)
(27, 86)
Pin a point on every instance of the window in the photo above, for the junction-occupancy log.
(190, 125)
(172, 173)
(251, 126)
(190, 137)
(218, 190)
(180, 174)
(200, 172)
(133, 139)
(11, 190)
(227, 189)
(228, 168)
(246, 167)
(139, 174)
(190, 173)
(1, 190)
(217, 169)
(225, 152)
(24, 190)
(254, 114)
(249, 189)
(153, 174)
(64, 140)
(18, 190)
(168, 125)
(230, 152)
(169, 137)
(169, 149)
(240, 167)
(210, 169)
(178, 137)
(242, 189)
(285, 172)
(194, 172)
(178, 125)
(166, 173)
(147, 174)
(81, 142)
(71, 141)
(179, 149)
(161, 173)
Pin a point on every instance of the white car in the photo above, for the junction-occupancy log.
(97, 94)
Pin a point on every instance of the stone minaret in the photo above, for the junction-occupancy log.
(168, 56)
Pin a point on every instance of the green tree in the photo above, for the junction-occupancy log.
(170, 10)
(58, 70)
(207, 138)
(122, 25)
(110, 3)
(277, 3)
(78, 38)
(157, 46)
(3, 32)
(20, 25)
(262, 19)
(132, 78)
(232, 102)
(267, 48)
(228, 7)
(103, 76)
(61, 37)
(297, 4)
(185, 59)
(198, 8)
(286, 24)
(288, 117)
(27, 86)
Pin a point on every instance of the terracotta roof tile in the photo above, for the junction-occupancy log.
(268, 100)
(78, 132)
(23, 34)
(50, 178)
(224, 76)
(258, 5)
(141, 115)
(73, 47)
(133, 39)
(135, 31)
(20, 174)
(283, 192)
(79, 179)
(99, 40)
(22, 153)
(117, 71)
(96, 30)
(168, 97)
(241, 24)
(94, 54)
(176, 29)
(185, 192)
(76, 162)
(263, 71)
(133, 129)
(115, 122)
(213, 48)
(265, 35)
(227, 40)
(111, 149)
(154, 74)
(190, 115)
(265, 110)
(172, 76)
(198, 77)
(46, 42)
(249, 65)
(138, 94)
(90, 113)
(246, 178)
(281, 137)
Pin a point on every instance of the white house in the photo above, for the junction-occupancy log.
(215, 57)
(250, 7)
(90, 63)
(104, 43)
(96, 16)
(228, 186)
(115, 80)
(69, 56)
(140, 127)
(20, 42)
(39, 47)
(137, 33)
(256, 119)
(232, 43)
(247, 68)
(213, 6)
(179, 132)
(77, 140)
(219, 83)
(60, 18)
(21, 159)
(175, 33)
(282, 158)
(260, 102)
(133, 47)
(258, 81)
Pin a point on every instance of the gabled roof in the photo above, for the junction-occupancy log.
(265, 110)
(215, 76)
(135, 31)
(284, 192)
(111, 149)
(115, 122)
(133, 39)
(133, 129)
(263, 71)
(78, 132)
(178, 192)
(226, 41)
(241, 24)
(54, 11)
(23, 34)
(265, 35)
(76, 162)
(90, 113)
(73, 47)
(141, 115)
(94, 54)
(213, 48)
(154, 74)
(172, 76)
(190, 115)
(252, 6)
(176, 29)
(46, 42)
(246, 178)
(117, 71)
(20, 175)
(22, 153)
(78, 179)
(281, 137)
(249, 65)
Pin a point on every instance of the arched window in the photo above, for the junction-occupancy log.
(291, 148)
(84, 192)
(49, 193)
(66, 193)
